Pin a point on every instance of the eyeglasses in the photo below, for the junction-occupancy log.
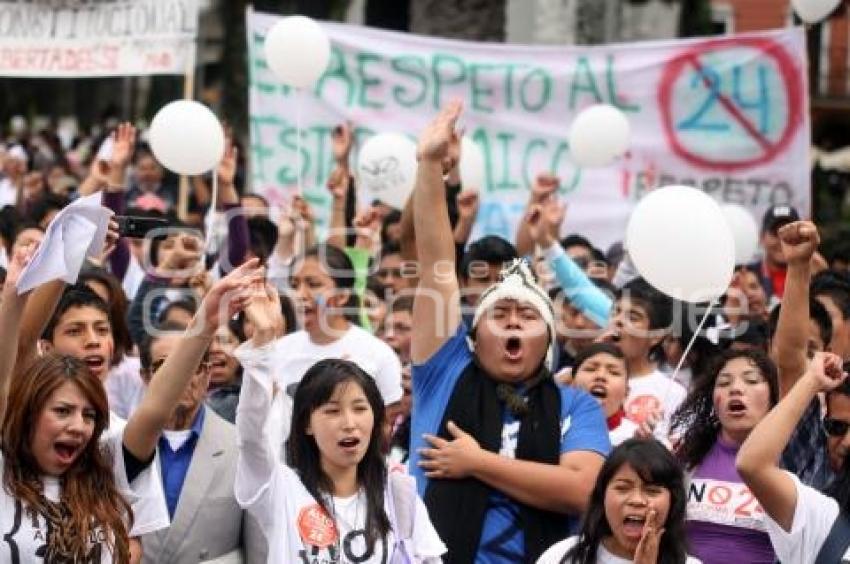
(834, 427)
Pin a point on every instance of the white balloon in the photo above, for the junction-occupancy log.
(297, 50)
(680, 242)
(813, 11)
(745, 232)
(386, 167)
(598, 135)
(472, 165)
(186, 137)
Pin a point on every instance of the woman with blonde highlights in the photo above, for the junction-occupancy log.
(56, 473)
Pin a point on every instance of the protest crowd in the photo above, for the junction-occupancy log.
(187, 375)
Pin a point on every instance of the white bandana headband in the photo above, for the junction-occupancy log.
(518, 283)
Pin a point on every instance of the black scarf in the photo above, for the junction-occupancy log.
(457, 507)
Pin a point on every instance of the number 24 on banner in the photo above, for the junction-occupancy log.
(731, 104)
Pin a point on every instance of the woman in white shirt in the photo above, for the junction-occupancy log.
(636, 511)
(336, 502)
(322, 289)
(55, 472)
(798, 518)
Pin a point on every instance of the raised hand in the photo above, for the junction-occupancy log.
(799, 241)
(180, 255)
(467, 204)
(123, 144)
(20, 259)
(538, 229)
(302, 213)
(367, 226)
(554, 213)
(826, 371)
(451, 164)
(435, 139)
(228, 296)
(338, 183)
(341, 141)
(544, 186)
(264, 313)
(227, 167)
(111, 242)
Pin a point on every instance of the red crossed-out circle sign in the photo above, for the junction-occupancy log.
(789, 72)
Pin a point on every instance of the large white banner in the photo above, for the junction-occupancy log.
(728, 114)
(97, 38)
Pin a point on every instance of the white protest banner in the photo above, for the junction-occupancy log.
(105, 38)
(727, 114)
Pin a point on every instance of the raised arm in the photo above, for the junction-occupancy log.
(789, 348)
(11, 310)
(544, 187)
(467, 211)
(436, 307)
(226, 298)
(580, 290)
(339, 182)
(237, 224)
(257, 456)
(757, 461)
(115, 192)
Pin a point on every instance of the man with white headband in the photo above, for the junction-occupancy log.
(504, 457)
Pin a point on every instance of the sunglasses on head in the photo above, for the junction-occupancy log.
(834, 427)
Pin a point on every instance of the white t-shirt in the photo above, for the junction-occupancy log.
(145, 494)
(8, 193)
(24, 535)
(650, 393)
(291, 519)
(133, 278)
(557, 551)
(814, 516)
(295, 353)
(125, 387)
(624, 431)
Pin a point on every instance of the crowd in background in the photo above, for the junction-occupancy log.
(234, 388)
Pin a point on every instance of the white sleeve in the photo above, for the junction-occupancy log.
(389, 377)
(556, 552)
(673, 398)
(145, 494)
(256, 460)
(814, 515)
(426, 542)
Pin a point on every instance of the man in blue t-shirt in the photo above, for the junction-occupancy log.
(503, 457)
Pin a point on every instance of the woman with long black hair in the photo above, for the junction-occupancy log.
(725, 523)
(333, 501)
(636, 512)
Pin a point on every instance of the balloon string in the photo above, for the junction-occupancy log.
(212, 212)
(298, 138)
(687, 350)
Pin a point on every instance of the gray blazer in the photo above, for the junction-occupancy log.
(208, 523)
